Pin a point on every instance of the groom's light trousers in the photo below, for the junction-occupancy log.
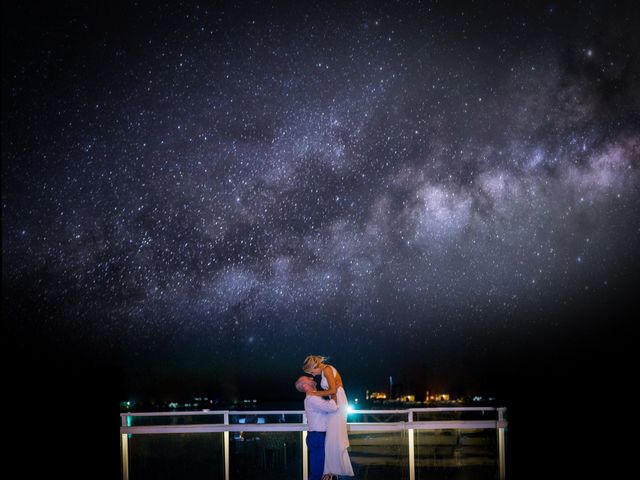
(315, 443)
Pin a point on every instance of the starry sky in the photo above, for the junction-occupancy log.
(201, 194)
(197, 195)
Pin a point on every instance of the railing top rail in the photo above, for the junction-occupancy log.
(452, 409)
(266, 412)
(430, 409)
(301, 412)
(298, 427)
(173, 414)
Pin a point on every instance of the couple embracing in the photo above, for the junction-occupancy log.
(327, 437)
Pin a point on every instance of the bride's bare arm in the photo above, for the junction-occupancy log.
(331, 381)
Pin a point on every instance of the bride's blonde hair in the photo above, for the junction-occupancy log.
(312, 361)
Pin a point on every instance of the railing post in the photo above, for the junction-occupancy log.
(501, 443)
(124, 455)
(412, 460)
(226, 447)
(305, 452)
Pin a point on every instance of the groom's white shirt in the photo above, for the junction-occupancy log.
(316, 409)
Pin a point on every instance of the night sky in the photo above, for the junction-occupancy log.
(195, 196)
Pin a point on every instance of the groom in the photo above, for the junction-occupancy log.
(316, 409)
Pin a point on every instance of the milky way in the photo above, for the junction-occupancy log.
(237, 178)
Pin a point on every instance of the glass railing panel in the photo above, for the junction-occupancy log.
(265, 455)
(379, 455)
(177, 419)
(469, 453)
(455, 415)
(187, 456)
(378, 417)
(262, 418)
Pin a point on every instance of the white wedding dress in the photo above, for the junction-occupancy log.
(336, 456)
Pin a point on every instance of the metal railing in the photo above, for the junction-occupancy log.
(410, 425)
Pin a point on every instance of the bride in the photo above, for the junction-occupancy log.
(336, 458)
